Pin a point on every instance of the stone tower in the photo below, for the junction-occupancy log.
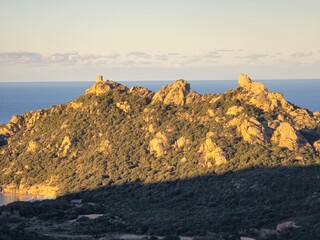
(99, 78)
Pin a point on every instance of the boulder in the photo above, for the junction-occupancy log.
(181, 142)
(211, 151)
(124, 106)
(158, 144)
(173, 93)
(316, 145)
(151, 128)
(286, 225)
(286, 136)
(244, 81)
(234, 110)
(33, 146)
(65, 147)
(253, 131)
(249, 85)
(105, 146)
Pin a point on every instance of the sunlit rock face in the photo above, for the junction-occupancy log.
(286, 136)
(102, 87)
(159, 144)
(212, 153)
(175, 93)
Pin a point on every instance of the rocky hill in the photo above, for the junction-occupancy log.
(115, 135)
(217, 166)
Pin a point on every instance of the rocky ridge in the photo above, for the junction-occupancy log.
(113, 132)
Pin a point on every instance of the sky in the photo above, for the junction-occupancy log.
(75, 40)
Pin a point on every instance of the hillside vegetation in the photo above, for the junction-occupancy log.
(116, 135)
(173, 161)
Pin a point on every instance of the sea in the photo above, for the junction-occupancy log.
(7, 198)
(17, 98)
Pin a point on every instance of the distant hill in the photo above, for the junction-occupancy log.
(116, 135)
(172, 161)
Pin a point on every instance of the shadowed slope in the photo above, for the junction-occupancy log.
(234, 203)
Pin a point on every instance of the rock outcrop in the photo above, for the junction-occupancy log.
(286, 136)
(124, 106)
(158, 144)
(212, 154)
(258, 95)
(249, 85)
(65, 147)
(175, 93)
(286, 225)
(102, 87)
(12, 126)
(141, 92)
(253, 131)
(234, 110)
(316, 145)
(193, 97)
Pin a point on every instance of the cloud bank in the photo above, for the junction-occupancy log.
(137, 63)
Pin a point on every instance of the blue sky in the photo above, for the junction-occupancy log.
(44, 40)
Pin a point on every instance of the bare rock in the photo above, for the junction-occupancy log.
(65, 147)
(102, 87)
(234, 110)
(32, 118)
(193, 97)
(244, 80)
(141, 92)
(249, 85)
(182, 142)
(316, 145)
(151, 128)
(33, 146)
(105, 146)
(173, 93)
(253, 131)
(124, 106)
(286, 136)
(158, 144)
(211, 151)
(12, 126)
(75, 104)
(257, 94)
(286, 225)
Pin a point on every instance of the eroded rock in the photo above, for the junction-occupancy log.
(212, 153)
(158, 144)
(102, 87)
(173, 93)
(253, 131)
(65, 147)
(286, 136)
(124, 106)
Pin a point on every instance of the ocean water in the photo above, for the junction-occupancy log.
(7, 198)
(17, 98)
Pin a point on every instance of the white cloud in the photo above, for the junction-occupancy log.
(139, 54)
(12, 58)
(253, 57)
(301, 54)
(11, 62)
(214, 54)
